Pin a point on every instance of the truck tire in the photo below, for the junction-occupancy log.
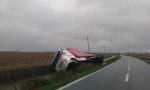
(73, 65)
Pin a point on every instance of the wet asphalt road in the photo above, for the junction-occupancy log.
(128, 73)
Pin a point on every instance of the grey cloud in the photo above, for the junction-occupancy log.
(43, 25)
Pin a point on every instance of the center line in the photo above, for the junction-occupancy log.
(128, 68)
(127, 77)
(129, 64)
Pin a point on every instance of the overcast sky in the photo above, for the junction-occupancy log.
(46, 25)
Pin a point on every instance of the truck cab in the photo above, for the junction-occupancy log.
(64, 60)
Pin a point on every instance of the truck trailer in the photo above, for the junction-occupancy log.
(70, 58)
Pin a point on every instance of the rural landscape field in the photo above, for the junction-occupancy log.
(16, 60)
(16, 66)
(9, 60)
(142, 56)
(19, 66)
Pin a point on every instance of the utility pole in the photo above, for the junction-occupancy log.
(104, 49)
(110, 51)
(88, 44)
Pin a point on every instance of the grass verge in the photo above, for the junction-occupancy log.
(23, 73)
(143, 57)
(62, 78)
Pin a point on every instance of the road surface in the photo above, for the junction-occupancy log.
(128, 73)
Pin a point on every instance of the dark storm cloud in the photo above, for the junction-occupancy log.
(43, 25)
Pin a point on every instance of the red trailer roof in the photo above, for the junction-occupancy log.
(77, 53)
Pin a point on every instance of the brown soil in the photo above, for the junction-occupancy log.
(10, 59)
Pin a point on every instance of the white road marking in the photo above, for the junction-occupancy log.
(127, 77)
(61, 88)
(128, 68)
(109, 58)
(129, 63)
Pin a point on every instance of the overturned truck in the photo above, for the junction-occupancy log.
(70, 58)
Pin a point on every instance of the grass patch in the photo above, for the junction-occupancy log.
(23, 73)
(143, 57)
(62, 78)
